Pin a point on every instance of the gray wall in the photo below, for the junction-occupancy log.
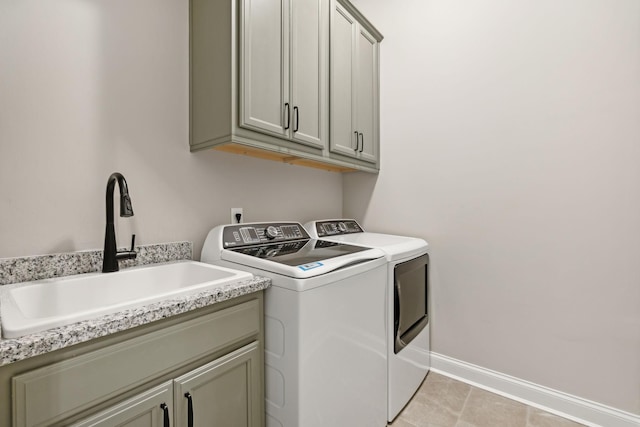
(511, 142)
(88, 88)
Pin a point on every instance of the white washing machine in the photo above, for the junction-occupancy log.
(408, 305)
(325, 330)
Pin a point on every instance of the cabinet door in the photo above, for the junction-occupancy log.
(309, 77)
(343, 89)
(224, 392)
(144, 410)
(367, 95)
(264, 65)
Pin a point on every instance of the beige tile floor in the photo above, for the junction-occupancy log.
(445, 402)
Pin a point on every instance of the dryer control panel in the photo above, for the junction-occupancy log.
(234, 236)
(334, 227)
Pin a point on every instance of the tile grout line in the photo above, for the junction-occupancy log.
(464, 405)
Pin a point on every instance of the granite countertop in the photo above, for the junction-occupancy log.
(15, 272)
(15, 349)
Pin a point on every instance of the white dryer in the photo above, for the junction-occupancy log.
(325, 332)
(407, 309)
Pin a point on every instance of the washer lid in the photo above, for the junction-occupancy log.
(350, 232)
(302, 258)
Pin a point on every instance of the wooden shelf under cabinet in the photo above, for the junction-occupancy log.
(282, 157)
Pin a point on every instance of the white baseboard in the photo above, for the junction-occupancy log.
(565, 405)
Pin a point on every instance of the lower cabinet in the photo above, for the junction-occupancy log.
(149, 409)
(204, 369)
(224, 392)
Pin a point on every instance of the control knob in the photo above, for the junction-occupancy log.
(271, 232)
(342, 227)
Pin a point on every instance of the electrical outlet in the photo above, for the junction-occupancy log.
(237, 217)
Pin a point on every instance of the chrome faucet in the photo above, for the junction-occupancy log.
(111, 254)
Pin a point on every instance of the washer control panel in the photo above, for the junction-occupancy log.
(234, 236)
(335, 227)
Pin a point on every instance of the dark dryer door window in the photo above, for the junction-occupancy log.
(410, 300)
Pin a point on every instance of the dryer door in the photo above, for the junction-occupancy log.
(410, 300)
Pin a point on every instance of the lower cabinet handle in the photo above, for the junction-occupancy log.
(189, 409)
(296, 119)
(357, 141)
(362, 145)
(165, 409)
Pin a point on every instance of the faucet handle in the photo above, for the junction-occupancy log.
(131, 253)
(133, 242)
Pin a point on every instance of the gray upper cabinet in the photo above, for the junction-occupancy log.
(354, 84)
(264, 66)
(260, 83)
(283, 64)
(367, 97)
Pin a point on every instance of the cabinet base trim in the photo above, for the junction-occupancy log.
(281, 157)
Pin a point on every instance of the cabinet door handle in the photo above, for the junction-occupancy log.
(287, 115)
(165, 409)
(357, 141)
(189, 409)
(296, 119)
(362, 145)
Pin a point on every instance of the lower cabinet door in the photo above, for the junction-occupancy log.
(224, 392)
(149, 409)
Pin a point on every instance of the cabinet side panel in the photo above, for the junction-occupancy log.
(212, 27)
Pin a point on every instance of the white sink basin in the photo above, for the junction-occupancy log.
(49, 303)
